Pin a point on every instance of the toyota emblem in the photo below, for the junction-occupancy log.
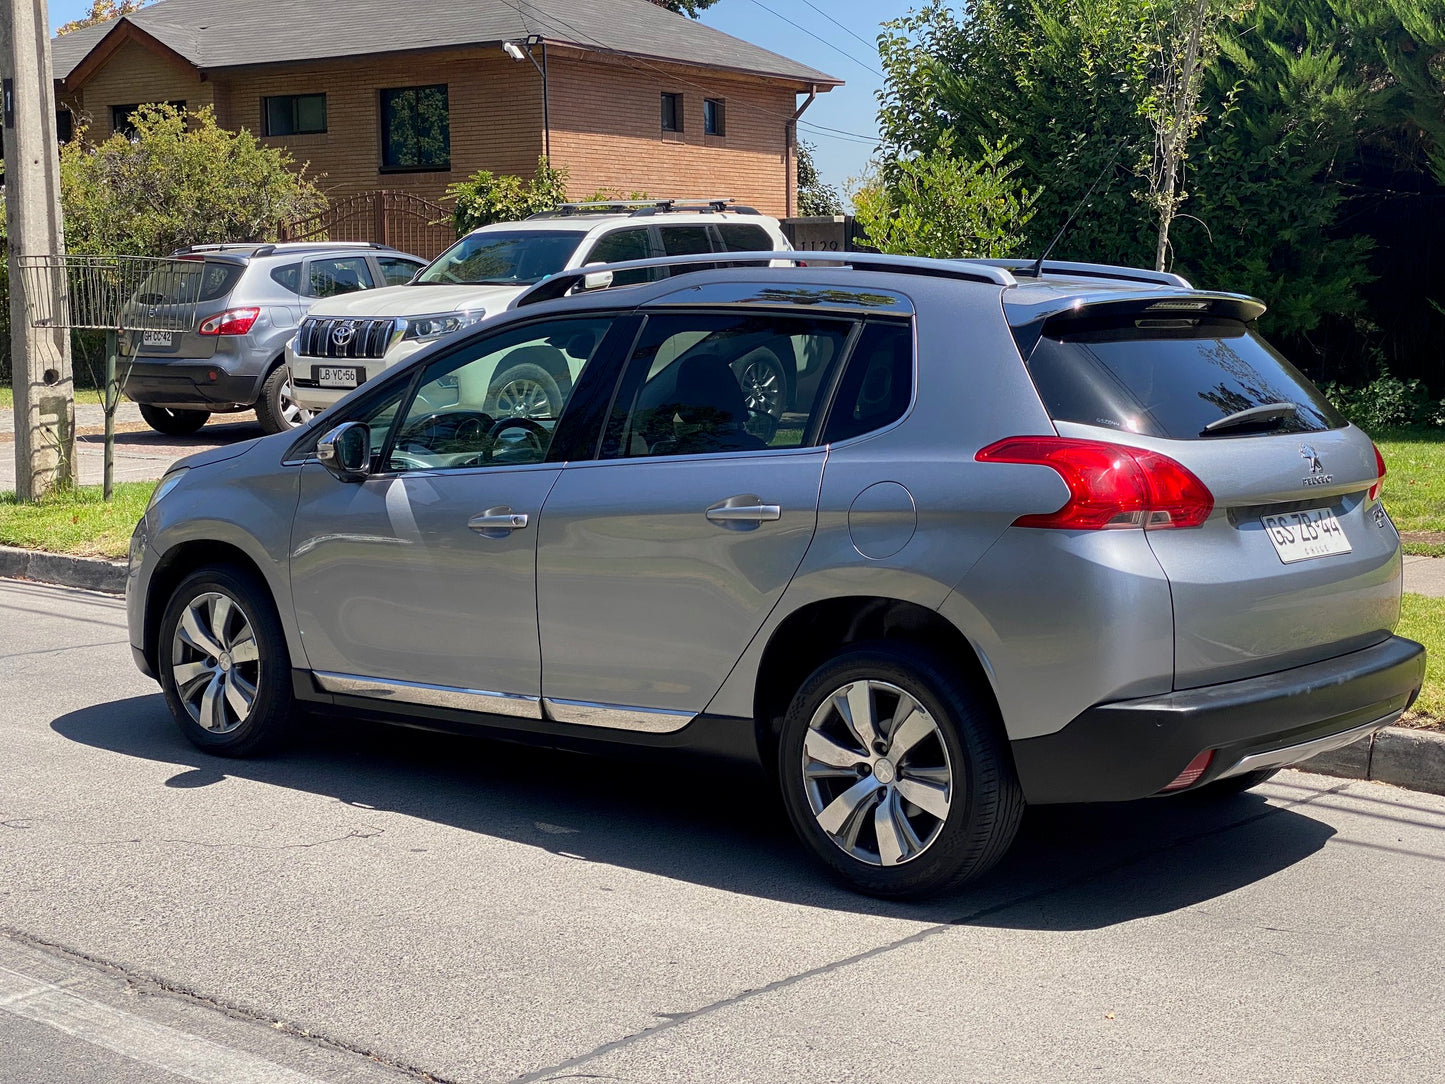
(342, 334)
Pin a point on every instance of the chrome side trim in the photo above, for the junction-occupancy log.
(617, 716)
(437, 696)
(1293, 754)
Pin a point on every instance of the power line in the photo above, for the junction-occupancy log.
(815, 37)
(840, 26)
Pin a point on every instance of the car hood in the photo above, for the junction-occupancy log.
(417, 301)
(215, 455)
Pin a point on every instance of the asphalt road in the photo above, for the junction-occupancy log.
(384, 904)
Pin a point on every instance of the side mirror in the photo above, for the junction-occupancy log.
(346, 451)
(597, 280)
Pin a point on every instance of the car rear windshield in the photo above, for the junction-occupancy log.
(502, 259)
(1173, 378)
(174, 282)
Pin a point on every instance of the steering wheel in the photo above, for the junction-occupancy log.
(470, 427)
(536, 438)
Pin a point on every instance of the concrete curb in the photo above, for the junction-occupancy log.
(90, 573)
(1414, 759)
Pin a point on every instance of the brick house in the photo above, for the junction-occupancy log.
(410, 96)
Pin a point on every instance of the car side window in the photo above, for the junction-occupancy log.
(631, 244)
(496, 400)
(685, 241)
(877, 385)
(744, 237)
(342, 275)
(397, 272)
(288, 276)
(699, 384)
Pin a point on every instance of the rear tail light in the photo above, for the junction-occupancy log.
(1110, 486)
(230, 322)
(1191, 773)
(1379, 474)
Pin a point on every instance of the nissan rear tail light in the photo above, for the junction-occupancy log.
(230, 322)
(1111, 486)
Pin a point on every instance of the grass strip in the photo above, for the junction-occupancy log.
(75, 521)
(1422, 619)
(1414, 490)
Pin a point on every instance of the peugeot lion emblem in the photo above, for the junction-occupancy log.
(342, 334)
(1317, 476)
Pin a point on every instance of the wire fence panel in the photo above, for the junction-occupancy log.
(112, 293)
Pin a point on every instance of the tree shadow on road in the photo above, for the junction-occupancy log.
(1072, 868)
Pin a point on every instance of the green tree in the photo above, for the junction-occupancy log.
(938, 204)
(814, 196)
(685, 7)
(103, 11)
(178, 180)
(486, 197)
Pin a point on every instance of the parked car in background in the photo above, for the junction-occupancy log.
(252, 299)
(1066, 534)
(344, 342)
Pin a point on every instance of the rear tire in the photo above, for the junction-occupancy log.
(277, 410)
(919, 798)
(173, 423)
(525, 391)
(223, 663)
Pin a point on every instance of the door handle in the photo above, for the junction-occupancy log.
(743, 512)
(497, 522)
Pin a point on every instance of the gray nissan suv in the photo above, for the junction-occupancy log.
(1032, 534)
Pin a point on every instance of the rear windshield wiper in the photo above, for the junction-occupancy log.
(1266, 414)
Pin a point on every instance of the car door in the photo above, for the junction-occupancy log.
(659, 561)
(417, 585)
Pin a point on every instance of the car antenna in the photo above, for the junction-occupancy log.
(1038, 268)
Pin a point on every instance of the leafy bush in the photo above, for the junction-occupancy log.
(179, 179)
(1386, 402)
(486, 197)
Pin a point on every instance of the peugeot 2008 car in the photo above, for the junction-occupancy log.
(1062, 533)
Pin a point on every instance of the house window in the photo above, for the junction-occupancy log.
(122, 117)
(416, 129)
(294, 114)
(672, 112)
(64, 125)
(713, 122)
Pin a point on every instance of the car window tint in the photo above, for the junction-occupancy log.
(1170, 378)
(495, 401)
(288, 276)
(686, 241)
(744, 237)
(343, 275)
(723, 383)
(624, 245)
(877, 385)
(397, 272)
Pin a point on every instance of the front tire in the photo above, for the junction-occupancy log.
(277, 410)
(173, 423)
(223, 663)
(895, 773)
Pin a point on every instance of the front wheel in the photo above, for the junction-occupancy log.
(173, 423)
(223, 663)
(895, 772)
(277, 410)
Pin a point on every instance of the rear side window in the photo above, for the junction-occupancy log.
(877, 386)
(1172, 378)
(218, 280)
(742, 237)
(288, 276)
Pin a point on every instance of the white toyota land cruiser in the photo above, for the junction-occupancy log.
(344, 341)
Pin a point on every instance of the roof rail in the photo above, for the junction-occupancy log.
(965, 270)
(1096, 271)
(645, 207)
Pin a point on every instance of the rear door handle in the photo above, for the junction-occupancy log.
(743, 512)
(497, 522)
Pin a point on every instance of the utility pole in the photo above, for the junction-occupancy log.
(40, 357)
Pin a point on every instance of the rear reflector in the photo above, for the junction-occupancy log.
(1190, 775)
(1379, 474)
(1110, 486)
(230, 322)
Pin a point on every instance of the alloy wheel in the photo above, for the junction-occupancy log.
(292, 412)
(523, 397)
(762, 386)
(215, 662)
(877, 773)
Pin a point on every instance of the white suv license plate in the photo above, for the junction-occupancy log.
(1303, 536)
(329, 377)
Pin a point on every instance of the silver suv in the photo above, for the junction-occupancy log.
(347, 340)
(252, 298)
(1072, 535)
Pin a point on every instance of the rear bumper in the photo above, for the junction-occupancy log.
(199, 385)
(1135, 748)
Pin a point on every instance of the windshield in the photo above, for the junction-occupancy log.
(523, 257)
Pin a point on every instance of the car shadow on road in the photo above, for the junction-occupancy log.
(1072, 868)
(210, 435)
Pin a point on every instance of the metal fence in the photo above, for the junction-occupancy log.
(112, 293)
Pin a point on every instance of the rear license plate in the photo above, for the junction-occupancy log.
(157, 338)
(1302, 536)
(330, 377)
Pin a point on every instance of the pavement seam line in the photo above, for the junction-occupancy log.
(678, 1019)
(154, 985)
